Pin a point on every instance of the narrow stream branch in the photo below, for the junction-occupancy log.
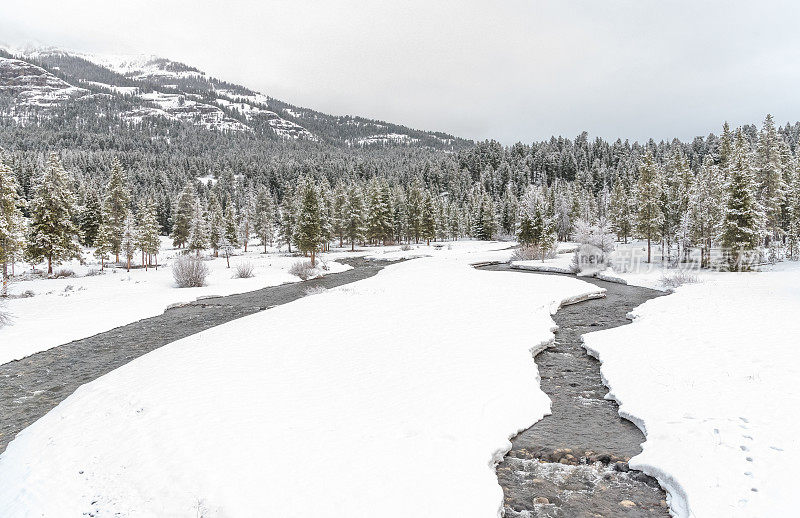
(574, 462)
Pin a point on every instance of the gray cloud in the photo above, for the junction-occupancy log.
(511, 70)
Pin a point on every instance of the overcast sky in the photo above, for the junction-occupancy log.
(504, 69)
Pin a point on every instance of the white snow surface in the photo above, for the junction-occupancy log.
(710, 372)
(67, 309)
(392, 396)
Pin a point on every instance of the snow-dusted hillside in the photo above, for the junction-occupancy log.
(34, 86)
(142, 90)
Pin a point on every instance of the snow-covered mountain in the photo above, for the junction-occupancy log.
(145, 91)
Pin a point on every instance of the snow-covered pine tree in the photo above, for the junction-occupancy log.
(148, 234)
(793, 211)
(339, 216)
(648, 200)
(379, 213)
(215, 223)
(325, 216)
(129, 238)
(414, 206)
(116, 205)
(399, 215)
(354, 224)
(770, 186)
(231, 231)
(53, 235)
(91, 217)
(706, 201)
(740, 233)
(508, 211)
(247, 216)
(183, 215)
(12, 222)
(198, 231)
(428, 218)
(265, 216)
(621, 209)
(308, 233)
(725, 146)
(288, 219)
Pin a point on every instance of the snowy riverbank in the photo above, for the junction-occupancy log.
(710, 373)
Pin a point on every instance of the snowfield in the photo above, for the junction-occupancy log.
(67, 309)
(392, 396)
(711, 374)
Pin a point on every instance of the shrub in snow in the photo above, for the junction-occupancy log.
(304, 270)
(189, 271)
(244, 270)
(62, 273)
(94, 271)
(405, 248)
(678, 278)
(531, 252)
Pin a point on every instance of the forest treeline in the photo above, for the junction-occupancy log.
(211, 191)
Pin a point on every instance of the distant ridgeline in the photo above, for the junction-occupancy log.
(170, 125)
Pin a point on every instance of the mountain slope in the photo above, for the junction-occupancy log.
(146, 91)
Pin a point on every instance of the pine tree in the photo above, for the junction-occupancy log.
(183, 215)
(129, 238)
(308, 233)
(508, 211)
(231, 231)
(12, 222)
(198, 232)
(91, 218)
(148, 234)
(354, 223)
(648, 201)
(621, 209)
(379, 213)
(414, 207)
(247, 216)
(288, 219)
(339, 212)
(794, 213)
(264, 217)
(770, 185)
(216, 227)
(53, 235)
(740, 226)
(705, 208)
(116, 205)
(428, 218)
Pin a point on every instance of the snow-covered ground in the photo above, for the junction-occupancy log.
(66, 309)
(392, 396)
(711, 374)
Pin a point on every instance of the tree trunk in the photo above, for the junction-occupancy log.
(648, 249)
(129, 263)
(228, 258)
(313, 259)
(49, 264)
